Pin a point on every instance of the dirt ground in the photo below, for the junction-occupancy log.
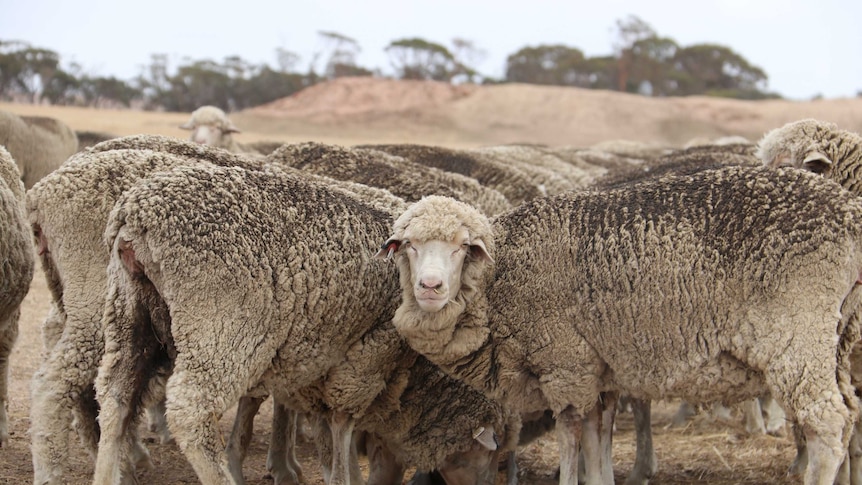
(353, 111)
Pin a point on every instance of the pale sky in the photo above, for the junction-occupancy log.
(805, 47)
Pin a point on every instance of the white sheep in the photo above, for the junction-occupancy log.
(37, 144)
(556, 302)
(16, 252)
(269, 273)
(211, 126)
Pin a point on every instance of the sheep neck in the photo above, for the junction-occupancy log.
(457, 338)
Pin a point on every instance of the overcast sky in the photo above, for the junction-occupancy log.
(806, 47)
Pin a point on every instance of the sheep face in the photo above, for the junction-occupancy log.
(431, 242)
(210, 126)
(436, 265)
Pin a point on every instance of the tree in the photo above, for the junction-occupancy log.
(26, 70)
(651, 66)
(547, 64)
(718, 70)
(417, 58)
(466, 54)
(342, 56)
(630, 31)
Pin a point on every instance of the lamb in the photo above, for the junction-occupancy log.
(16, 252)
(402, 177)
(505, 178)
(211, 126)
(734, 249)
(37, 144)
(283, 241)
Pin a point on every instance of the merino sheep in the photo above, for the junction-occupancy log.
(402, 177)
(16, 252)
(821, 147)
(546, 167)
(86, 139)
(817, 146)
(282, 244)
(37, 144)
(550, 322)
(68, 210)
(211, 126)
(507, 179)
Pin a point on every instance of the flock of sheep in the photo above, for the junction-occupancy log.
(533, 287)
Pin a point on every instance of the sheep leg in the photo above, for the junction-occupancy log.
(341, 426)
(281, 459)
(132, 356)
(753, 417)
(383, 467)
(156, 422)
(592, 446)
(646, 462)
(193, 414)
(775, 417)
(569, 427)
(511, 468)
(241, 434)
(86, 414)
(58, 389)
(609, 411)
(823, 403)
(7, 339)
(855, 454)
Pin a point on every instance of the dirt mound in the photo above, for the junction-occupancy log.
(363, 96)
(468, 114)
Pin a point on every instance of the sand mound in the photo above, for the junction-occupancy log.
(363, 96)
(470, 114)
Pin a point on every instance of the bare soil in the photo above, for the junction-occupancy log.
(352, 111)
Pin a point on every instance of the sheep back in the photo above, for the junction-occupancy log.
(37, 144)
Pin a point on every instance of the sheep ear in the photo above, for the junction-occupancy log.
(486, 437)
(479, 252)
(230, 128)
(187, 126)
(817, 162)
(387, 249)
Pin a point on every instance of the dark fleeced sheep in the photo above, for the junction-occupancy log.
(687, 286)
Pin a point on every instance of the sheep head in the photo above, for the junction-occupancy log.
(801, 144)
(443, 249)
(210, 126)
(433, 239)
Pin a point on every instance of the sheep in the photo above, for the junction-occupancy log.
(268, 273)
(733, 249)
(402, 177)
(210, 126)
(820, 147)
(37, 144)
(507, 179)
(86, 139)
(817, 146)
(16, 252)
(68, 210)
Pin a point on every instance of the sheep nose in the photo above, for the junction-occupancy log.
(430, 284)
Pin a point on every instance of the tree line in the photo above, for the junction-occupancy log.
(642, 62)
